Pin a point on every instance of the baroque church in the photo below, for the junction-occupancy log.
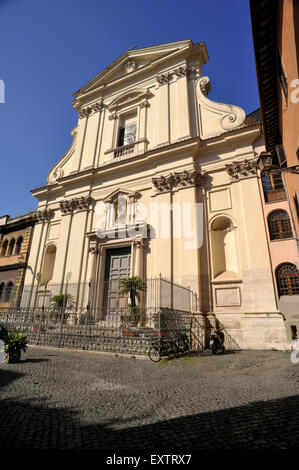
(159, 181)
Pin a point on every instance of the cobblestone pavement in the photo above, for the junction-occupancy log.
(70, 399)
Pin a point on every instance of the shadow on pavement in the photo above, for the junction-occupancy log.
(34, 360)
(7, 376)
(264, 424)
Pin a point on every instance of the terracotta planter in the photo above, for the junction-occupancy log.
(14, 357)
(129, 333)
(37, 328)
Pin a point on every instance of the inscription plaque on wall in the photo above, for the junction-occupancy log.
(228, 297)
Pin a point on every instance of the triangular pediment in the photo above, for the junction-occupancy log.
(133, 61)
(120, 192)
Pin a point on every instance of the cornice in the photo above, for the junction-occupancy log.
(246, 133)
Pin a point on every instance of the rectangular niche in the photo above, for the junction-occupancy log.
(53, 231)
(220, 200)
(228, 296)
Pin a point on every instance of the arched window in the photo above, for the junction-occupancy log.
(2, 287)
(224, 253)
(4, 248)
(19, 245)
(48, 266)
(287, 276)
(273, 186)
(8, 292)
(279, 225)
(11, 246)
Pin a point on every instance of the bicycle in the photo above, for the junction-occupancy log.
(183, 342)
(162, 348)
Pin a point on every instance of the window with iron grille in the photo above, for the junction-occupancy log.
(8, 292)
(279, 225)
(273, 186)
(282, 78)
(287, 276)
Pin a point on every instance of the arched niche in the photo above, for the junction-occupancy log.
(48, 264)
(224, 253)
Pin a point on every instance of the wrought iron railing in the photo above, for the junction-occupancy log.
(101, 330)
(108, 294)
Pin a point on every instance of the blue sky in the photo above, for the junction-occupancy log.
(49, 49)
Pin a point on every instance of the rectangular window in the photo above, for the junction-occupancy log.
(127, 130)
(273, 186)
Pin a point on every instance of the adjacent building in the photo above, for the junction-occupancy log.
(159, 179)
(275, 25)
(15, 240)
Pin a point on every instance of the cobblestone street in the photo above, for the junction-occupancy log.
(70, 399)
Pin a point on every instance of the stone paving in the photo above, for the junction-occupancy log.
(57, 398)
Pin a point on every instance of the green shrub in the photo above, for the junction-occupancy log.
(15, 342)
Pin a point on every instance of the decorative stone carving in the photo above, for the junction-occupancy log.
(241, 169)
(112, 116)
(163, 78)
(180, 72)
(57, 173)
(183, 71)
(193, 72)
(216, 118)
(178, 179)
(44, 215)
(96, 107)
(144, 104)
(130, 66)
(81, 203)
(222, 223)
(74, 132)
(139, 242)
(93, 246)
(205, 85)
(84, 112)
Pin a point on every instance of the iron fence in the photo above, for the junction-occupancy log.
(101, 330)
(110, 293)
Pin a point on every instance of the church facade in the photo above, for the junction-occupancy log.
(159, 180)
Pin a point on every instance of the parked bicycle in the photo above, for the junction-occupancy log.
(165, 348)
(183, 342)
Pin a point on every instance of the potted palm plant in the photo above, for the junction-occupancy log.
(14, 344)
(132, 286)
(58, 302)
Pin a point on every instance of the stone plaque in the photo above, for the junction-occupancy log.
(228, 296)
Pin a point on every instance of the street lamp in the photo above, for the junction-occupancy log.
(265, 161)
(36, 275)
